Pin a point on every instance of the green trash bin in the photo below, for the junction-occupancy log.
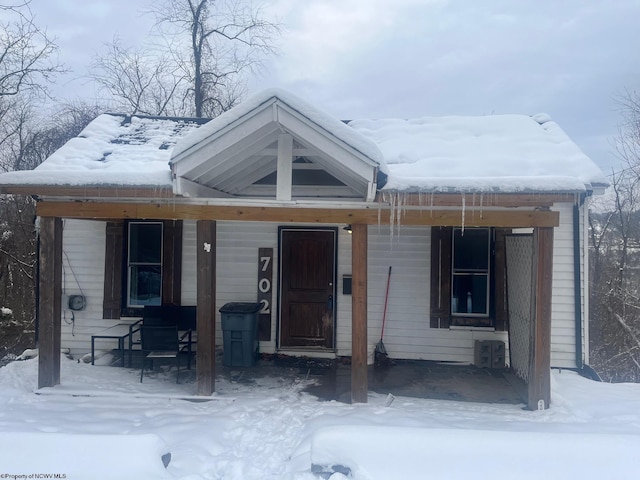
(240, 334)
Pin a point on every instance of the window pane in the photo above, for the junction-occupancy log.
(145, 243)
(469, 294)
(471, 249)
(145, 285)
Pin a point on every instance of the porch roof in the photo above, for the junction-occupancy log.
(493, 154)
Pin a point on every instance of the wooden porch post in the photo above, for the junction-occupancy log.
(206, 306)
(359, 384)
(539, 388)
(49, 302)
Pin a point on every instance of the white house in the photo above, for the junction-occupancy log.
(482, 220)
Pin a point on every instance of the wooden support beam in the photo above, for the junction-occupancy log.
(206, 306)
(367, 216)
(49, 301)
(359, 381)
(539, 387)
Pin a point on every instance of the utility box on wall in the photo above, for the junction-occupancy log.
(489, 354)
(346, 284)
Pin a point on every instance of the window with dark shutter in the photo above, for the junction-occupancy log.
(143, 266)
(468, 278)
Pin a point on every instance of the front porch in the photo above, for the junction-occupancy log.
(206, 236)
(328, 380)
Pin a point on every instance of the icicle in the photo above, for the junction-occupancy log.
(481, 200)
(402, 201)
(405, 198)
(431, 204)
(473, 204)
(463, 211)
(392, 218)
(380, 210)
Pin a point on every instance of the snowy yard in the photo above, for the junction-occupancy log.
(115, 427)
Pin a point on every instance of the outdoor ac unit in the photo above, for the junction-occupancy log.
(489, 354)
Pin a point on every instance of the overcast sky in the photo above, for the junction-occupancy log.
(407, 58)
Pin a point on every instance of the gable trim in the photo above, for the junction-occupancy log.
(187, 188)
(232, 158)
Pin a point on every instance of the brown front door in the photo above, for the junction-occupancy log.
(307, 292)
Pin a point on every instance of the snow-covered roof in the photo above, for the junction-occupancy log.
(494, 153)
(113, 150)
(499, 153)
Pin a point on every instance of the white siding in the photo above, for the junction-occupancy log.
(83, 248)
(343, 302)
(584, 245)
(407, 332)
(237, 247)
(237, 267)
(237, 271)
(563, 345)
(189, 269)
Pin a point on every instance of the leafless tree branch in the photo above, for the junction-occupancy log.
(26, 52)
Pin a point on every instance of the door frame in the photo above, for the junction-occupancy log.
(281, 229)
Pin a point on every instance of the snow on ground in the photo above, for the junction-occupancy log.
(271, 429)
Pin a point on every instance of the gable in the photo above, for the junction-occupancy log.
(272, 148)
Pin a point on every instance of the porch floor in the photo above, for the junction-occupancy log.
(408, 378)
(331, 379)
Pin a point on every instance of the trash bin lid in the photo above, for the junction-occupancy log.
(240, 307)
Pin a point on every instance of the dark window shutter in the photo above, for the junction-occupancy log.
(500, 276)
(440, 277)
(113, 270)
(172, 262)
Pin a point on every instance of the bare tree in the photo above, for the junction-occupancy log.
(26, 52)
(25, 142)
(140, 81)
(615, 254)
(199, 65)
(27, 64)
(215, 43)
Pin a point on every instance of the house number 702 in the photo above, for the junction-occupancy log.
(265, 270)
